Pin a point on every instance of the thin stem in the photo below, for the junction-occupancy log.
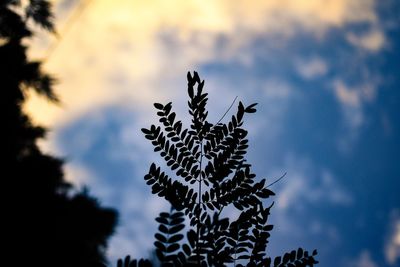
(234, 261)
(280, 178)
(226, 112)
(220, 210)
(199, 192)
(223, 116)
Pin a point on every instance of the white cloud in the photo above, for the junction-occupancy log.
(307, 183)
(117, 53)
(77, 174)
(352, 100)
(392, 246)
(347, 96)
(372, 41)
(275, 89)
(137, 211)
(135, 233)
(311, 68)
(305, 188)
(364, 260)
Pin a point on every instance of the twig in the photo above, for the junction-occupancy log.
(280, 178)
(226, 112)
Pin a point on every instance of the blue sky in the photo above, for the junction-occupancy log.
(325, 75)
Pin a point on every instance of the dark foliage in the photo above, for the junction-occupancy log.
(212, 173)
(43, 222)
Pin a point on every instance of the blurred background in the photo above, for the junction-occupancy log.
(324, 72)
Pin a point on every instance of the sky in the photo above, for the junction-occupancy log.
(325, 75)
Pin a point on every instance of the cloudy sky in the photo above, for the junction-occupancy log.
(324, 72)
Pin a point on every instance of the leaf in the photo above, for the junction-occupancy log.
(251, 109)
(126, 261)
(176, 229)
(162, 228)
(196, 77)
(299, 253)
(191, 236)
(265, 193)
(160, 246)
(158, 106)
(146, 131)
(314, 253)
(160, 255)
(231, 242)
(167, 108)
(175, 238)
(293, 255)
(177, 221)
(174, 166)
(286, 258)
(160, 237)
(268, 227)
(164, 215)
(171, 117)
(172, 248)
(243, 257)
(277, 261)
(186, 249)
(177, 215)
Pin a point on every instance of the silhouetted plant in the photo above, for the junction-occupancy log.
(44, 222)
(127, 262)
(212, 173)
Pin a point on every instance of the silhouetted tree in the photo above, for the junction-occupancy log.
(44, 223)
(208, 161)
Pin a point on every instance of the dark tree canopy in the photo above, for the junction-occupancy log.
(44, 222)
